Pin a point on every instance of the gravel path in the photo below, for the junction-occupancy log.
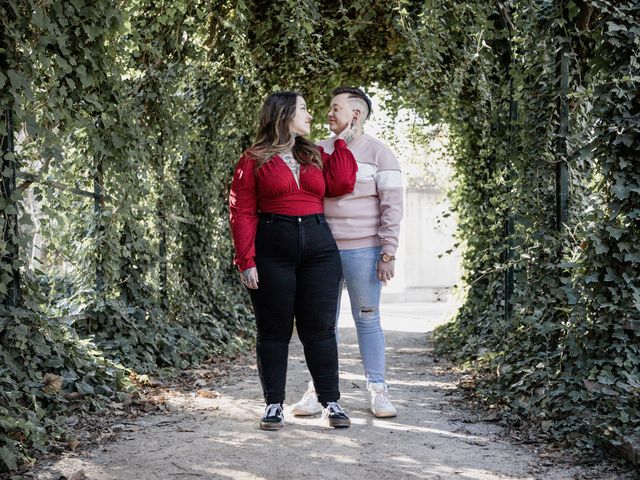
(433, 436)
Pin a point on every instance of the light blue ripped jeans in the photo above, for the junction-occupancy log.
(359, 271)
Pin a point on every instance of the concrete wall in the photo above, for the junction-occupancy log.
(425, 235)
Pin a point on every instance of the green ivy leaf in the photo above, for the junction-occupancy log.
(8, 458)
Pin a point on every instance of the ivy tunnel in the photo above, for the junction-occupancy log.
(121, 122)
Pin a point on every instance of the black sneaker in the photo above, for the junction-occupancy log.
(336, 417)
(273, 418)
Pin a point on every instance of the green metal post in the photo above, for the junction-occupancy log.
(162, 224)
(511, 153)
(98, 179)
(562, 167)
(509, 221)
(10, 228)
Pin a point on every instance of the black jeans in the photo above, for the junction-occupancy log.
(299, 272)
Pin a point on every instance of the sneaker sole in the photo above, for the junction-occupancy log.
(385, 414)
(339, 423)
(305, 413)
(271, 426)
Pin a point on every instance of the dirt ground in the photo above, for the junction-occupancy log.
(211, 432)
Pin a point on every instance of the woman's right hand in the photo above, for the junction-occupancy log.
(249, 278)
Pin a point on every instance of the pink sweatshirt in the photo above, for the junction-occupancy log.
(370, 215)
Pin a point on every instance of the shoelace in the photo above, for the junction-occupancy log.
(274, 410)
(335, 408)
(383, 397)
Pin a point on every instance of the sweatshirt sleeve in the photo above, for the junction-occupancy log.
(339, 170)
(243, 213)
(390, 192)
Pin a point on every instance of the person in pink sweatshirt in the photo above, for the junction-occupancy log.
(366, 225)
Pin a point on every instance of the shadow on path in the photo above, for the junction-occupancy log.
(430, 439)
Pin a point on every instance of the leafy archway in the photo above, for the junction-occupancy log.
(127, 118)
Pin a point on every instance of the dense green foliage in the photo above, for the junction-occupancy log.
(568, 358)
(122, 102)
(146, 106)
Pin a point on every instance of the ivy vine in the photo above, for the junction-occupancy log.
(127, 119)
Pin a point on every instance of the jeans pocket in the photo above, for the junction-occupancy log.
(264, 232)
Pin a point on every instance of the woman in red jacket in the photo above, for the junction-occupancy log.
(285, 251)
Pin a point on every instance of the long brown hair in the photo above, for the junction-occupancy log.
(274, 135)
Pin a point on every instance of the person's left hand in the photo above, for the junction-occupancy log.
(386, 270)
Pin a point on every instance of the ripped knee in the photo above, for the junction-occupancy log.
(368, 313)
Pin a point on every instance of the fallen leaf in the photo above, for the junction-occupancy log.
(71, 420)
(208, 393)
(492, 417)
(52, 383)
(125, 398)
(73, 443)
(73, 396)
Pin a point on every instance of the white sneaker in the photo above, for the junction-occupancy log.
(379, 401)
(309, 404)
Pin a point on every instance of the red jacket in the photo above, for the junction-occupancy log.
(273, 189)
